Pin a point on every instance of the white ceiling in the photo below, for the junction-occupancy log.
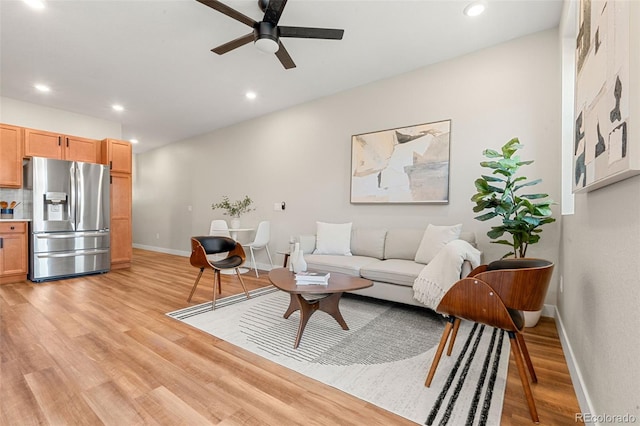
(154, 56)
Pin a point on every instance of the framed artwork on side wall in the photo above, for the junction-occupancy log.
(603, 153)
(402, 165)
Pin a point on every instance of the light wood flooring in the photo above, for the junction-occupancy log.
(100, 350)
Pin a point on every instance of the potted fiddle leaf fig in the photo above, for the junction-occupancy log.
(500, 194)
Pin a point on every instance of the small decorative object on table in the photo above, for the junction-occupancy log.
(297, 259)
(312, 278)
(234, 209)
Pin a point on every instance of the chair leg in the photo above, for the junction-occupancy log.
(456, 327)
(242, 282)
(436, 358)
(216, 286)
(527, 358)
(193, 289)
(253, 261)
(269, 255)
(515, 350)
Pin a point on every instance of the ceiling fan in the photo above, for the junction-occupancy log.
(266, 34)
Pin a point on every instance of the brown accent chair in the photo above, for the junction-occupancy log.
(208, 245)
(495, 295)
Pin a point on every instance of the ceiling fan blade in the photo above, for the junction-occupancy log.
(303, 32)
(232, 13)
(233, 44)
(274, 11)
(284, 57)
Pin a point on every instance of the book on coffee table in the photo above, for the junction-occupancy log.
(308, 277)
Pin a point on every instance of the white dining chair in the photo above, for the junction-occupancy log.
(219, 228)
(261, 241)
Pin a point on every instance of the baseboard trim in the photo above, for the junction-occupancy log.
(163, 250)
(574, 370)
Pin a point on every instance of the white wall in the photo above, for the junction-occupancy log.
(600, 270)
(39, 117)
(302, 155)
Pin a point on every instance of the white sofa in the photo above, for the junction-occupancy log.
(386, 257)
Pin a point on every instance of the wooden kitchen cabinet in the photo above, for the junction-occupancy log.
(121, 232)
(11, 143)
(118, 155)
(40, 143)
(13, 252)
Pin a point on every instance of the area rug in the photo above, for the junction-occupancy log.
(383, 358)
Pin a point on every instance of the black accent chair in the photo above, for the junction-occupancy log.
(208, 245)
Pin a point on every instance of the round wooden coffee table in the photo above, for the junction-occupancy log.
(309, 298)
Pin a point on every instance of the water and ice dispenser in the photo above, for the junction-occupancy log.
(54, 204)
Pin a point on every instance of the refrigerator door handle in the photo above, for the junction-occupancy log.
(73, 172)
(71, 235)
(72, 254)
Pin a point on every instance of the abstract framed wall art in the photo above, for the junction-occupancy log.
(403, 165)
(602, 152)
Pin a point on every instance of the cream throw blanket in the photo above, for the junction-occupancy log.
(443, 271)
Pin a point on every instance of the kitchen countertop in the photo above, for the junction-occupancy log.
(15, 220)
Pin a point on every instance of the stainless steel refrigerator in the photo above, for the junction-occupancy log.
(70, 225)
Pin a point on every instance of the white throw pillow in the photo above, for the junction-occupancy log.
(434, 238)
(333, 238)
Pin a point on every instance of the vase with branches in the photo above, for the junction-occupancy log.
(500, 193)
(235, 209)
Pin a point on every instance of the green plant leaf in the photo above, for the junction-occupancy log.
(492, 178)
(503, 242)
(491, 164)
(530, 183)
(486, 216)
(534, 196)
(490, 153)
(496, 232)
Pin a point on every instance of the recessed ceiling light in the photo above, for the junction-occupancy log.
(251, 95)
(117, 107)
(35, 4)
(42, 88)
(475, 8)
(133, 140)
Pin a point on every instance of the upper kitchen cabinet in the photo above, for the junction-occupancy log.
(11, 141)
(39, 143)
(117, 155)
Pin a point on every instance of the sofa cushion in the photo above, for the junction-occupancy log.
(368, 242)
(350, 265)
(469, 237)
(435, 237)
(333, 238)
(402, 243)
(395, 271)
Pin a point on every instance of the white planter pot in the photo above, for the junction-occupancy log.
(531, 318)
(235, 223)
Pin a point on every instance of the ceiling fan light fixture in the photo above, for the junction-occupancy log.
(267, 45)
(266, 36)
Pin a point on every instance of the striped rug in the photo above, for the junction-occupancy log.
(383, 358)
